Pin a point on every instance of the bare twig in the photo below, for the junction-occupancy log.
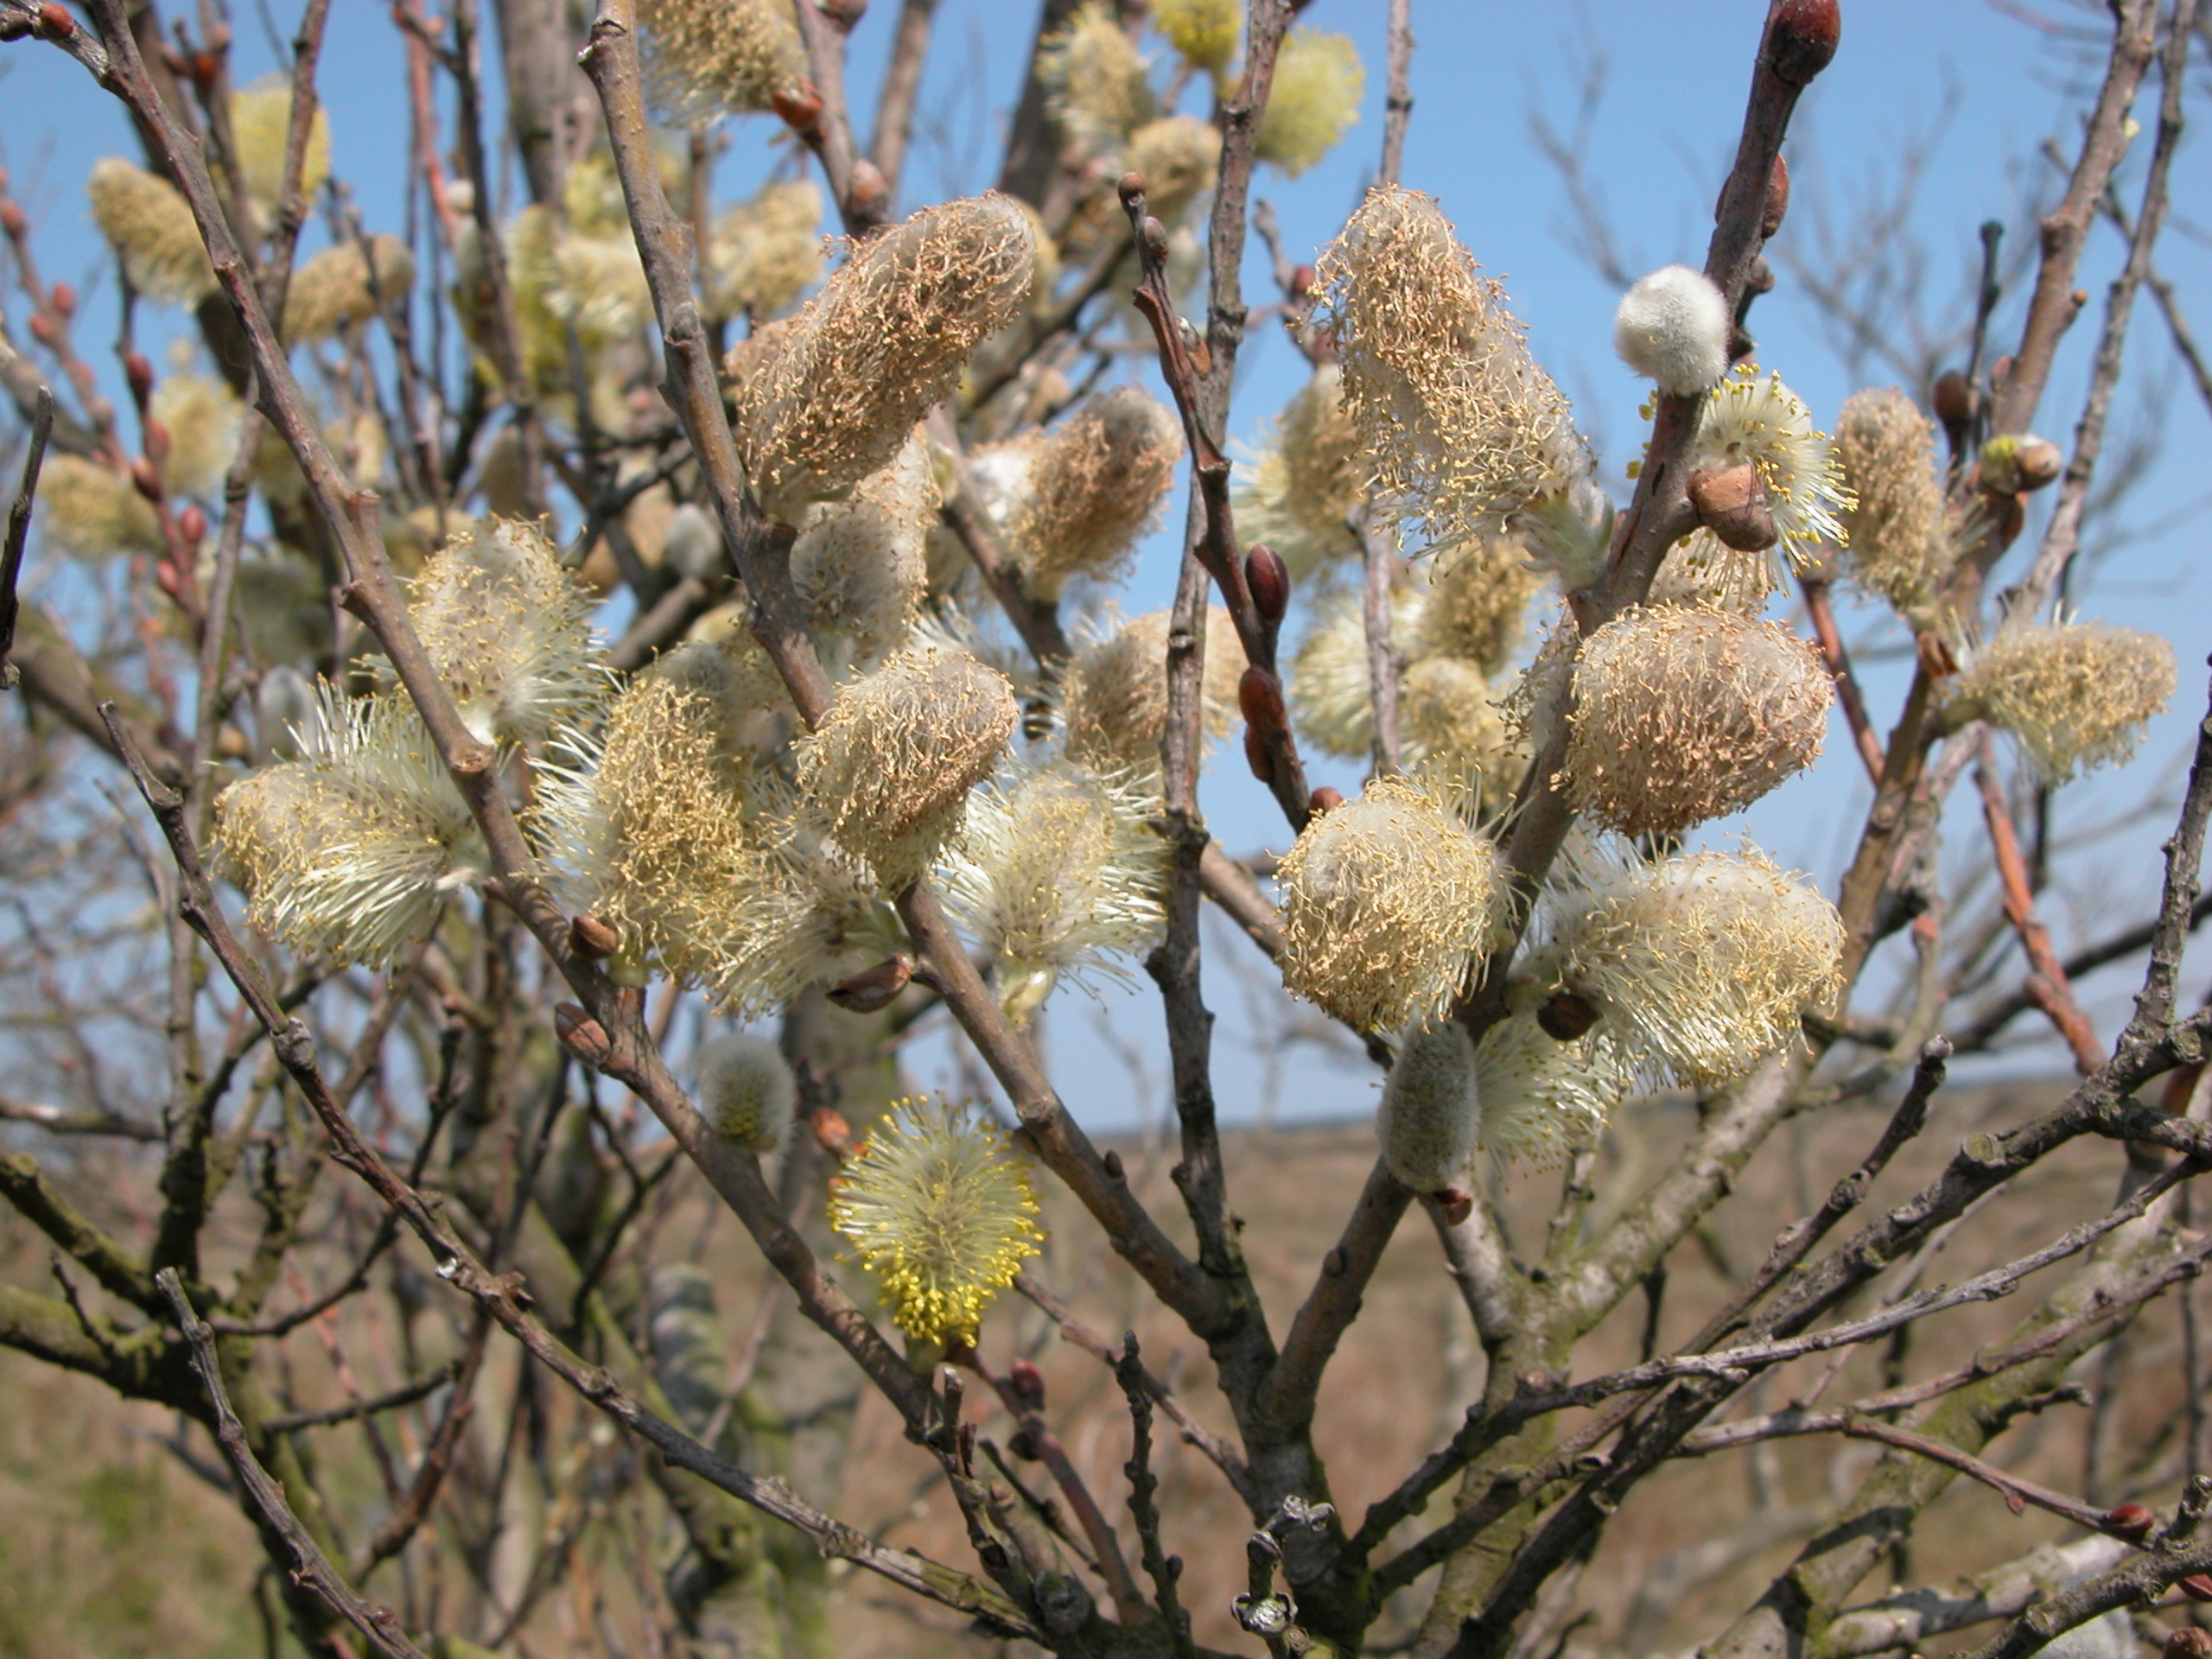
(2047, 983)
(19, 526)
(1162, 1568)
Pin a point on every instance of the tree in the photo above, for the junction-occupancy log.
(866, 755)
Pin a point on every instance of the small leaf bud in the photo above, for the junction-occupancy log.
(1955, 399)
(2015, 463)
(146, 478)
(799, 108)
(873, 988)
(12, 219)
(1027, 1382)
(1777, 197)
(1269, 578)
(867, 193)
(1131, 190)
(157, 439)
(140, 374)
(65, 301)
(1325, 799)
(1303, 280)
(831, 1133)
(1152, 237)
(2197, 1586)
(582, 1036)
(1802, 39)
(2189, 1642)
(1259, 695)
(1257, 756)
(1455, 1204)
(192, 524)
(1732, 505)
(2131, 1521)
(592, 939)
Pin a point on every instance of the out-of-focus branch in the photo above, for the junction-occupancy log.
(1379, 560)
(2000, 1013)
(902, 81)
(2047, 984)
(19, 529)
(1847, 690)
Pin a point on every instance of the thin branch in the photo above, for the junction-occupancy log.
(2047, 983)
(902, 81)
(1162, 1568)
(19, 526)
(1847, 691)
(405, 1394)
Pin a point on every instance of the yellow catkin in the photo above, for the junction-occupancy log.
(1477, 603)
(938, 1206)
(1319, 79)
(1897, 549)
(1455, 418)
(766, 250)
(1298, 492)
(1682, 716)
(826, 397)
(1112, 692)
(147, 222)
(91, 512)
(261, 120)
(202, 416)
(2075, 696)
(333, 288)
(1091, 486)
(1748, 417)
(1097, 83)
(705, 58)
(889, 769)
(1703, 966)
(1204, 31)
(1388, 903)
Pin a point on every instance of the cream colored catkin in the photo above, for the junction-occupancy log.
(705, 58)
(1298, 492)
(1897, 548)
(1431, 1109)
(1112, 700)
(859, 564)
(1092, 487)
(747, 1090)
(149, 222)
(2074, 695)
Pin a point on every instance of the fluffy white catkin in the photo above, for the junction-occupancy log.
(1672, 328)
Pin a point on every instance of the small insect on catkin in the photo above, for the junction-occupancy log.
(1388, 902)
(1682, 716)
(1898, 549)
(2075, 696)
(826, 397)
(507, 628)
(147, 222)
(1702, 966)
(939, 1208)
(1455, 418)
(1431, 1109)
(1672, 328)
(889, 768)
(747, 1091)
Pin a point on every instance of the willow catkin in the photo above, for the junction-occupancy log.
(1314, 100)
(1456, 419)
(92, 511)
(202, 414)
(706, 57)
(1388, 903)
(1448, 715)
(1112, 698)
(147, 222)
(1476, 605)
(1703, 965)
(859, 564)
(1702, 572)
(1896, 548)
(1090, 488)
(1748, 418)
(1204, 31)
(1672, 328)
(889, 768)
(261, 123)
(1544, 1100)
(766, 250)
(747, 1092)
(1057, 871)
(1096, 84)
(826, 396)
(335, 289)
(2074, 695)
(1298, 491)
(1431, 1109)
(508, 630)
(1330, 688)
(1682, 716)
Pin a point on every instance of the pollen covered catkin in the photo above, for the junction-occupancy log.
(1759, 420)
(1898, 549)
(747, 1091)
(1096, 84)
(828, 396)
(1204, 31)
(766, 250)
(147, 220)
(1388, 902)
(507, 629)
(1682, 716)
(1113, 691)
(2075, 696)
(1080, 494)
(1315, 97)
(333, 288)
(1298, 492)
(1457, 421)
(1431, 1109)
(1477, 603)
(705, 58)
(889, 768)
(859, 564)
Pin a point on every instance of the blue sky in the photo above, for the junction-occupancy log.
(1959, 89)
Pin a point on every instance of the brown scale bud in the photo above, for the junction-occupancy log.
(2037, 462)
(2197, 1586)
(868, 193)
(1259, 695)
(1455, 1204)
(799, 108)
(1565, 1016)
(2131, 1521)
(12, 219)
(1802, 39)
(192, 524)
(1955, 399)
(157, 439)
(43, 329)
(206, 66)
(2189, 1642)
(582, 1036)
(1323, 799)
(873, 988)
(140, 374)
(2001, 369)
(65, 301)
(1257, 756)
(1269, 578)
(1732, 505)
(146, 478)
(1131, 190)
(831, 1133)
(54, 21)
(1022, 1446)
(1028, 1383)
(592, 939)
(1153, 236)
(1777, 197)
(1303, 281)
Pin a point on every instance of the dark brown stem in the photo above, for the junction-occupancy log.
(1144, 1485)
(19, 525)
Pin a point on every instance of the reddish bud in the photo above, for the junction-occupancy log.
(868, 193)
(140, 374)
(65, 301)
(1304, 279)
(1802, 39)
(1131, 190)
(2000, 370)
(2197, 1586)
(43, 329)
(206, 68)
(1955, 399)
(1259, 695)
(1269, 578)
(156, 440)
(2131, 1521)
(1323, 799)
(1027, 1382)
(1257, 756)
(165, 578)
(1152, 237)
(831, 1133)
(192, 524)
(591, 938)
(582, 1036)
(1022, 1446)
(1455, 1206)
(799, 107)
(1777, 197)
(145, 479)
(54, 21)
(12, 219)
(1731, 503)
(873, 988)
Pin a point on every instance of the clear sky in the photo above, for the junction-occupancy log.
(1955, 93)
